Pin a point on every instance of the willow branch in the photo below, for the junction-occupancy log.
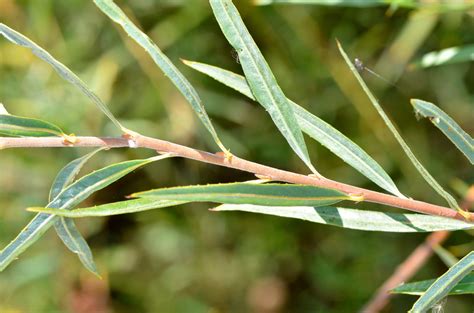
(234, 162)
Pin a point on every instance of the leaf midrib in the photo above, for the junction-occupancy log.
(274, 102)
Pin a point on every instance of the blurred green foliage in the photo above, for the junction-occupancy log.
(187, 259)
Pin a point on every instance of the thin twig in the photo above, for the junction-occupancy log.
(406, 270)
(220, 159)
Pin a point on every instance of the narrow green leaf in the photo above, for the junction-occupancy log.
(66, 200)
(122, 207)
(464, 286)
(228, 78)
(447, 125)
(259, 76)
(73, 239)
(17, 126)
(68, 173)
(247, 193)
(409, 4)
(356, 219)
(421, 169)
(444, 284)
(447, 257)
(60, 68)
(65, 227)
(344, 3)
(109, 8)
(446, 56)
(115, 208)
(315, 127)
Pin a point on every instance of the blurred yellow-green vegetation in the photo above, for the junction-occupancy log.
(187, 259)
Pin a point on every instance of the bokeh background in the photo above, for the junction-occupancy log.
(187, 259)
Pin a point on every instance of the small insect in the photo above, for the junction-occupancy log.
(360, 67)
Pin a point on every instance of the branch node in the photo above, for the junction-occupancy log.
(227, 156)
(69, 140)
(356, 197)
(467, 215)
(316, 176)
(264, 177)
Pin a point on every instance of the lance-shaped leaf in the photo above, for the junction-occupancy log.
(65, 227)
(447, 257)
(259, 76)
(444, 284)
(313, 126)
(447, 125)
(464, 286)
(122, 207)
(68, 173)
(60, 68)
(115, 208)
(67, 230)
(163, 62)
(410, 4)
(446, 56)
(260, 194)
(66, 200)
(17, 126)
(356, 219)
(421, 169)
(344, 3)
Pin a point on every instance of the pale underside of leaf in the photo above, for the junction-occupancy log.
(441, 287)
(315, 127)
(349, 3)
(446, 56)
(421, 169)
(261, 80)
(66, 200)
(447, 125)
(110, 9)
(356, 219)
(409, 4)
(246, 193)
(3, 110)
(65, 73)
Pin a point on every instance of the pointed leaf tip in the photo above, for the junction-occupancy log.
(315, 127)
(355, 219)
(444, 284)
(66, 200)
(63, 71)
(116, 14)
(418, 165)
(462, 140)
(249, 193)
(260, 77)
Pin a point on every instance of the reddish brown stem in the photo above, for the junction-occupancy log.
(236, 163)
